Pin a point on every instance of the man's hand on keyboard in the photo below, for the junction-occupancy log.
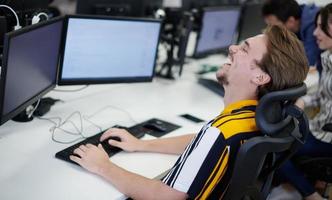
(92, 158)
(127, 141)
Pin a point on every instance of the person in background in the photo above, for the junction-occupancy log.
(319, 142)
(300, 19)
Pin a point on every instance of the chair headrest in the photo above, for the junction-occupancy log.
(270, 112)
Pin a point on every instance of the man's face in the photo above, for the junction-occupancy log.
(241, 67)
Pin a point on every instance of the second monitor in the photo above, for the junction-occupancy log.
(29, 67)
(218, 30)
(108, 50)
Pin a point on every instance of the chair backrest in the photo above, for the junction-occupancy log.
(284, 128)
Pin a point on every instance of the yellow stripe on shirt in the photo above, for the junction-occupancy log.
(225, 117)
(237, 126)
(210, 185)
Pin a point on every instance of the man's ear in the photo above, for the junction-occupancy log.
(261, 79)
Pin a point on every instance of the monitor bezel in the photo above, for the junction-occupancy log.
(244, 14)
(30, 101)
(88, 81)
(216, 50)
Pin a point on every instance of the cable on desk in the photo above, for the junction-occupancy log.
(75, 90)
(110, 107)
(58, 126)
(79, 130)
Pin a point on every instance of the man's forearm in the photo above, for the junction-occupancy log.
(136, 186)
(171, 145)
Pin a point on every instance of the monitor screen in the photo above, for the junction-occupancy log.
(132, 8)
(108, 50)
(218, 30)
(252, 22)
(29, 70)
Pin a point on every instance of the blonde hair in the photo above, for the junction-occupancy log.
(285, 60)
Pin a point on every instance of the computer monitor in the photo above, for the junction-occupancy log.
(29, 70)
(252, 22)
(109, 50)
(132, 8)
(218, 30)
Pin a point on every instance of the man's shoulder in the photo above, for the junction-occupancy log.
(235, 123)
(310, 8)
(309, 12)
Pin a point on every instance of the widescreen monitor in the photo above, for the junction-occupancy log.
(252, 22)
(29, 70)
(109, 50)
(132, 8)
(218, 30)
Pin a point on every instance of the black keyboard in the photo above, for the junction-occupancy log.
(137, 131)
(212, 85)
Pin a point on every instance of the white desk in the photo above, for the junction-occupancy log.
(29, 170)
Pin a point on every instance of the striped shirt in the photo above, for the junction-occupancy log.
(204, 169)
(322, 99)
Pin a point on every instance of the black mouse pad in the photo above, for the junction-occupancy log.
(156, 127)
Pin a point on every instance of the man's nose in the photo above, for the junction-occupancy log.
(233, 49)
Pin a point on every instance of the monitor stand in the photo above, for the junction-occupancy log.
(166, 70)
(24, 116)
(176, 37)
(44, 106)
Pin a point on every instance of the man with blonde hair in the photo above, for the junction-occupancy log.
(272, 61)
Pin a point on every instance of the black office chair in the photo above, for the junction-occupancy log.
(285, 128)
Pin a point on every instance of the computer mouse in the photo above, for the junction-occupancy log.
(155, 127)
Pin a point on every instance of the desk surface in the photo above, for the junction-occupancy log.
(29, 170)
